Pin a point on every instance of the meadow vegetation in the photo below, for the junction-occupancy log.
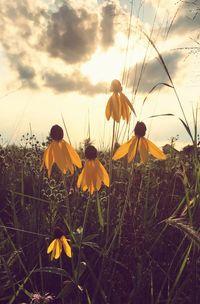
(135, 242)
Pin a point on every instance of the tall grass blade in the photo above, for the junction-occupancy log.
(155, 87)
(182, 121)
(183, 265)
(189, 232)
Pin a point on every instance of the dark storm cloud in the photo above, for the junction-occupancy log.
(107, 24)
(72, 34)
(188, 19)
(74, 83)
(154, 71)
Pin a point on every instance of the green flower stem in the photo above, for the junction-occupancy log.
(68, 215)
(119, 227)
(81, 239)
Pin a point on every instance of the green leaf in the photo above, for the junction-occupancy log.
(69, 288)
(90, 237)
(100, 214)
(88, 297)
(66, 290)
(91, 245)
(54, 270)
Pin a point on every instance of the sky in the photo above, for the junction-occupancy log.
(59, 57)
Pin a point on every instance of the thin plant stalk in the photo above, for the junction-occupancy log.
(61, 278)
(171, 81)
(65, 128)
(110, 177)
(119, 227)
(68, 215)
(81, 238)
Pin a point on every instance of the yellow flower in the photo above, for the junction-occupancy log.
(93, 173)
(60, 152)
(118, 104)
(55, 248)
(139, 143)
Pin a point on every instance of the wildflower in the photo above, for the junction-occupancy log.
(56, 245)
(139, 143)
(118, 104)
(60, 152)
(93, 173)
(37, 298)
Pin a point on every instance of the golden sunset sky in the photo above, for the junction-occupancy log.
(59, 57)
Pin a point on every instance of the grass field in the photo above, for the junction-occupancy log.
(134, 242)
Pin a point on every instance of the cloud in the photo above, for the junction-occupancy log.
(71, 34)
(184, 15)
(154, 72)
(58, 38)
(76, 82)
(107, 24)
(181, 16)
(188, 18)
(19, 27)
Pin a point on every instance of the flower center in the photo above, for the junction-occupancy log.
(140, 129)
(90, 152)
(58, 232)
(56, 132)
(115, 86)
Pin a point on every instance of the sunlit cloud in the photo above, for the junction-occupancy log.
(52, 44)
(153, 71)
(66, 53)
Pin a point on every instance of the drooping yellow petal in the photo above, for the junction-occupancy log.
(99, 175)
(66, 246)
(125, 110)
(108, 108)
(94, 175)
(84, 179)
(43, 159)
(58, 249)
(91, 175)
(73, 155)
(67, 157)
(59, 157)
(84, 188)
(87, 173)
(48, 159)
(126, 100)
(116, 107)
(143, 149)
(98, 183)
(103, 173)
(53, 252)
(122, 150)
(51, 246)
(80, 178)
(91, 188)
(133, 148)
(63, 154)
(155, 151)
